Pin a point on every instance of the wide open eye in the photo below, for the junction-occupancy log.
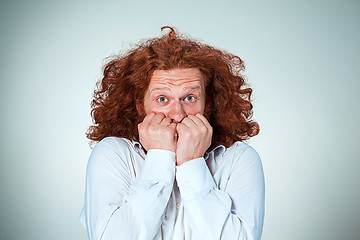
(162, 99)
(190, 99)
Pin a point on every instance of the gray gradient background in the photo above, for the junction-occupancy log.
(302, 60)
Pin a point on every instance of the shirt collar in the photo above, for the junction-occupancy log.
(218, 150)
(137, 146)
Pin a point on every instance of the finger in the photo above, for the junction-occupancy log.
(181, 128)
(166, 121)
(188, 122)
(196, 120)
(147, 119)
(200, 125)
(204, 120)
(157, 118)
(173, 127)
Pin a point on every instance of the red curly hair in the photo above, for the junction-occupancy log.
(127, 77)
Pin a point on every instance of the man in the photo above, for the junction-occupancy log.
(170, 118)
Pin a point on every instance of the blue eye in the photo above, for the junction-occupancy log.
(190, 99)
(162, 99)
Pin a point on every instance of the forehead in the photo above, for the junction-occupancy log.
(182, 77)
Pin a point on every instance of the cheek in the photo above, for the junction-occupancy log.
(150, 106)
(156, 109)
(194, 109)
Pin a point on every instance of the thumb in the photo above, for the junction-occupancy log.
(172, 126)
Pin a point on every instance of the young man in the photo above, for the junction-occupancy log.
(170, 117)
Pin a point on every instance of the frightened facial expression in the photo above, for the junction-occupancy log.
(176, 93)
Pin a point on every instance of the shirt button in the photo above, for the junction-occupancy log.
(178, 206)
(185, 182)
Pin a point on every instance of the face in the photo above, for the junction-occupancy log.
(176, 93)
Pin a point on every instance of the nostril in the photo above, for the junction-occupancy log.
(174, 121)
(177, 115)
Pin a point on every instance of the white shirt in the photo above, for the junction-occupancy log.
(133, 195)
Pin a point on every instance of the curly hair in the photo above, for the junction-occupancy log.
(126, 77)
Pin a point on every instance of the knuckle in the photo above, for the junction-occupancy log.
(197, 134)
(187, 134)
(211, 130)
(203, 129)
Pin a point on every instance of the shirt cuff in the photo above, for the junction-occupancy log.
(193, 177)
(159, 166)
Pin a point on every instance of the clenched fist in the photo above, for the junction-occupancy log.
(194, 138)
(157, 132)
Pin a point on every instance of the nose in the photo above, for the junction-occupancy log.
(177, 113)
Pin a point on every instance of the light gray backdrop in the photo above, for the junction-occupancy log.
(302, 60)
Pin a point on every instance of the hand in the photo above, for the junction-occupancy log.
(157, 132)
(194, 138)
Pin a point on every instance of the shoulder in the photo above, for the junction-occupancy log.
(121, 146)
(114, 143)
(243, 154)
(247, 166)
(242, 148)
(111, 150)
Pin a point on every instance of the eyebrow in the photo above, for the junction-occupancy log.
(159, 89)
(168, 89)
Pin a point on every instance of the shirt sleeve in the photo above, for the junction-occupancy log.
(117, 207)
(235, 213)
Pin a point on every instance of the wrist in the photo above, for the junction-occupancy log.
(157, 145)
(168, 148)
(182, 160)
